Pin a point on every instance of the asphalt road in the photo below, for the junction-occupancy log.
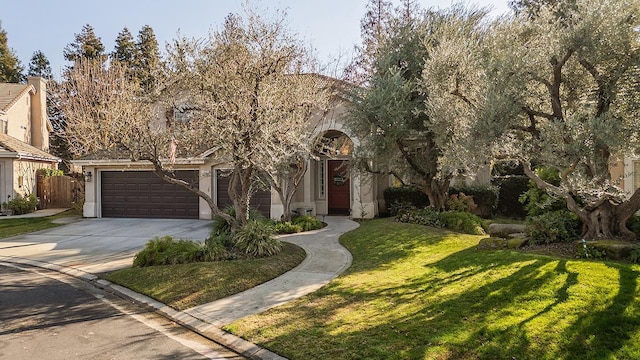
(46, 315)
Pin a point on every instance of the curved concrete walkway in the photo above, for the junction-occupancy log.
(325, 260)
(73, 250)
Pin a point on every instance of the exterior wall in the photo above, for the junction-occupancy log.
(19, 120)
(39, 130)
(24, 175)
(6, 180)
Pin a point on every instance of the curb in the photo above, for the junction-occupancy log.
(233, 342)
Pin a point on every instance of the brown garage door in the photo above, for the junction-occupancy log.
(260, 200)
(142, 194)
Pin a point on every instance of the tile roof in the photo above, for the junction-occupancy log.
(10, 93)
(13, 145)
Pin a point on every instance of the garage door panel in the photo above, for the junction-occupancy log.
(143, 194)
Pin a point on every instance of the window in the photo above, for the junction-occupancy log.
(183, 113)
(3, 126)
(321, 179)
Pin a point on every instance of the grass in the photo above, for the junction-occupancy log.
(188, 285)
(415, 292)
(12, 227)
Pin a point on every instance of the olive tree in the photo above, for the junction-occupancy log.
(560, 90)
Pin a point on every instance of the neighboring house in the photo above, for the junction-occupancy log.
(122, 188)
(24, 137)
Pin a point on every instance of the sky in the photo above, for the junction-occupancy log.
(332, 27)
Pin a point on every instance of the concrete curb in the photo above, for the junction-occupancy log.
(233, 342)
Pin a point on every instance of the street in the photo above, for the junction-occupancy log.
(47, 315)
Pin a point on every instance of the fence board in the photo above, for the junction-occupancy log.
(57, 191)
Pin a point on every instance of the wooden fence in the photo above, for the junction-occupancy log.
(58, 191)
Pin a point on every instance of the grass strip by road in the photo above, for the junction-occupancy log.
(415, 292)
(18, 226)
(188, 285)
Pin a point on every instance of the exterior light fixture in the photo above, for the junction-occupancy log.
(87, 176)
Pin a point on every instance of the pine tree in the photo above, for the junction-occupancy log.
(373, 31)
(125, 50)
(85, 46)
(10, 68)
(39, 65)
(148, 57)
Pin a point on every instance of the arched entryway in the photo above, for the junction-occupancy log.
(334, 149)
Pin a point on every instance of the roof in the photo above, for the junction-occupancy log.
(10, 93)
(19, 149)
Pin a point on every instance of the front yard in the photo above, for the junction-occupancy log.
(415, 292)
(17, 226)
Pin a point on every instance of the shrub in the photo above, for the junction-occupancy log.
(426, 216)
(553, 227)
(511, 188)
(221, 227)
(404, 196)
(50, 172)
(256, 239)
(23, 205)
(461, 202)
(634, 256)
(485, 198)
(286, 228)
(167, 251)
(633, 224)
(454, 220)
(463, 222)
(307, 222)
(537, 201)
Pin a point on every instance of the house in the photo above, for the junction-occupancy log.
(24, 137)
(119, 187)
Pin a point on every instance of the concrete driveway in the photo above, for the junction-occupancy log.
(99, 245)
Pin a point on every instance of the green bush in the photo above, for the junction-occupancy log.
(633, 224)
(167, 251)
(553, 227)
(50, 172)
(463, 222)
(256, 239)
(511, 188)
(307, 222)
(537, 201)
(426, 216)
(454, 220)
(221, 227)
(286, 228)
(23, 205)
(484, 196)
(399, 197)
(634, 256)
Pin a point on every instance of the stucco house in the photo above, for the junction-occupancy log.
(24, 137)
(122, 188)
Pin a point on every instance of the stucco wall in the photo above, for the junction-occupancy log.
(19, 120)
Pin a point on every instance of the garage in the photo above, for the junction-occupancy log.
(261, 200)
(142, 194)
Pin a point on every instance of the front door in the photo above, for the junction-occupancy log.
(338, 189)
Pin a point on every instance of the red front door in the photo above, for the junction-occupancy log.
(338, 189)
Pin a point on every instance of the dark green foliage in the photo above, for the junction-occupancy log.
(633, 224)
(425, 216)
(167, 251)
(86, 45)
(125, 49)
(454, 220)
(23, 204)
(147, 57)
(536, 201)
(221, 227)
(256, 239)
(634, 256)
(39, 66)
(10, 68)
(398, 198)
(484, 196)
(50, 172)
(286, 227)
(463, 222)
(553, 227)
(511, 188)
(307, 222)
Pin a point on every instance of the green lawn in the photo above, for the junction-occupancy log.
(415, 292)
(188, 285)
(16, 226)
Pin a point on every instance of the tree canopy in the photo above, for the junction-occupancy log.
(10, 67)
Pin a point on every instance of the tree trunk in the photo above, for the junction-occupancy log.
(606, 221)
(438, 193)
